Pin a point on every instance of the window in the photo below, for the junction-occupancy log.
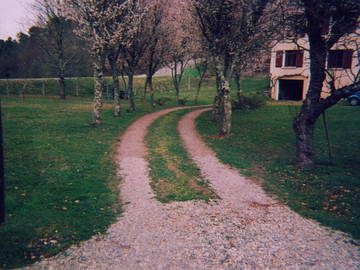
(293, 58)
(340, 58)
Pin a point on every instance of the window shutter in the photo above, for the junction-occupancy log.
(299, 58)
(347, 58)
(332, 59)
(279, 58)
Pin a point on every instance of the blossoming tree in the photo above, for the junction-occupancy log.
(105, 24)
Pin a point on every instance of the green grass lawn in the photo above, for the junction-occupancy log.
(84, 87)
(262, 147)
(60, 184)
(173, 175)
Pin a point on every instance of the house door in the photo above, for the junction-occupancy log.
(291, 89)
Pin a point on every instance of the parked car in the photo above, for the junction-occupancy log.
(124, 94)
(354, 99)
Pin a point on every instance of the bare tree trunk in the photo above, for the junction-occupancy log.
(304, 123)
(175, 77)
(149, 85)
(177, 90)
(304, 131)
(198, 91)
(62, 84)
(145, 87)
(177, 72)
(225, 111)
(116, 86)
(224, 98)
(237, 79)
(99, 87)
(132, 107)
(61, 65)
(124, 80)
(215, 111)
(202, 74)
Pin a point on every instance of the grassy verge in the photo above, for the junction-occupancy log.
(164, 89)
(60, 184)
(174, 177)
(262, 147)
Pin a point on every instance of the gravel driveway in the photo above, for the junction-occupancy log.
(246, 229)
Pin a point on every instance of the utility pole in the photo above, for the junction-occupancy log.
(2, 174)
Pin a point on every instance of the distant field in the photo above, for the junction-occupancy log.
(84, 87)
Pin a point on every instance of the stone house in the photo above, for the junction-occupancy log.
(290, 64)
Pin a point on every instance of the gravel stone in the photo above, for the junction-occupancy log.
(245, 229)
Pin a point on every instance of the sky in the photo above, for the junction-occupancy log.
(15, 16)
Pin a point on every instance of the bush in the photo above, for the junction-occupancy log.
(249, 102)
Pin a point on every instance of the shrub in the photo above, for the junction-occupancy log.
(249, 102)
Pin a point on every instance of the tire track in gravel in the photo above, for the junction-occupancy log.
(244, 230)
(278, 231)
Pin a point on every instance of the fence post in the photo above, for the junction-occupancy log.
(7, 87)
(77, 86)
(22, 92)
(43, 89)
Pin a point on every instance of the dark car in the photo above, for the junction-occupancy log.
(124, 94)
(354, 99)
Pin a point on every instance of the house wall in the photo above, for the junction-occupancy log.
(343, 76)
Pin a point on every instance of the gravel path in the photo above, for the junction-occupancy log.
(244, 230)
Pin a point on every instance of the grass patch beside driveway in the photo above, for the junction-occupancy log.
(262, 146)
(60, 176)
(174, 177)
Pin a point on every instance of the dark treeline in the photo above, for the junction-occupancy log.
(30, 55)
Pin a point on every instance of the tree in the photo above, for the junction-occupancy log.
(25, 56)
(31, 60)
(158, 45)
(133, 51)
(113, 56)
(57, 39)
(201, 62)
(105, 24)
(178, 61)
(180, 42)
(9, 67)
(312, 17)
(232, 32)
(130, 53)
